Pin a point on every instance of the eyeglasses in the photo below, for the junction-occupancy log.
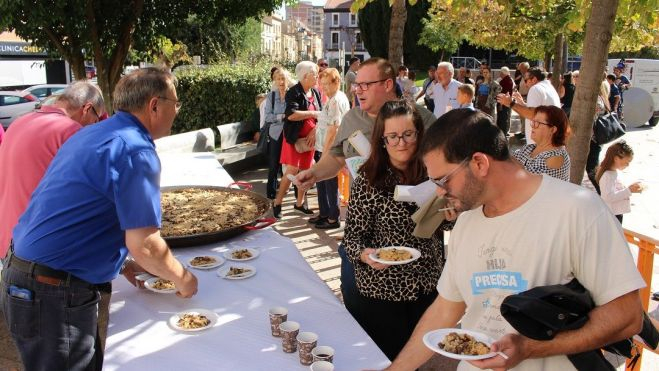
(323, 65)
(536, 124)
(177, 103)
(363, 86)
(98, 117)
(441, 183)
(392, 139)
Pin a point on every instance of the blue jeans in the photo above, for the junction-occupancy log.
(56, 329)
(328, 195)
(349, 289)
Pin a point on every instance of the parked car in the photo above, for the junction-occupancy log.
(49, 100)
(45, 90)
(14, 104)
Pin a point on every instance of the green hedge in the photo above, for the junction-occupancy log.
(218, 94)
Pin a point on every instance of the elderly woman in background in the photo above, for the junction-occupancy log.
(328, 123)
(503, 112)
(391, 298)
(303, 105)
(274, 108)
(549, 129)
(486, 93)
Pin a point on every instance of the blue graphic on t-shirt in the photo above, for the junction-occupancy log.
(511, 281)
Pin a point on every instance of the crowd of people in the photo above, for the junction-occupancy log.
(85, 199)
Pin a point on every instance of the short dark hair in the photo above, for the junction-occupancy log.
(537, 72)
(557, 118)
(353, 60)
(460, 133)
(611, 77)
(567, 78)
(133, 91)
(375, 167)
(383, 65)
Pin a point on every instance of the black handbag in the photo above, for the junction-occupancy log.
(264, 133)
(607, 128)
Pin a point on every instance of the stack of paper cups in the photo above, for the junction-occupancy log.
(361, 143)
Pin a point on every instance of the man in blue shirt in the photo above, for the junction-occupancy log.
(99, 200)
(623, 84)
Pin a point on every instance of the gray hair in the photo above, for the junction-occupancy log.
(134, 90)
(446, 65)
(505, 71)
(80, 93)
(287, 76)
(525, 65)
(303, 68)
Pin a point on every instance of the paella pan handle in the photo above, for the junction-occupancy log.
(241, 185)
(261, 223)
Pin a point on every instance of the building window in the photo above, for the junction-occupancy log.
(334, 40)
(353, 20)
(335, 19)
(358, 39)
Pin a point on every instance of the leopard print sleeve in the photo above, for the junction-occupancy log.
(359, 219)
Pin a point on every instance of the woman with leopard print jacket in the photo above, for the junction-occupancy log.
(391, 299)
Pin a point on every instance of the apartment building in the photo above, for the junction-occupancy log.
(342, 30)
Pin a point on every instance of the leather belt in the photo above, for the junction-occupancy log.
(44, 274)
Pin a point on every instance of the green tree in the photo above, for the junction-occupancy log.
(438, 37)
(375, 24)
(105, 31)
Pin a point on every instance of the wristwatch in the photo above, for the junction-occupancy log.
(512, 103)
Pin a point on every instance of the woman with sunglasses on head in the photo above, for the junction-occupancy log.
(391, 298)
(549, 130)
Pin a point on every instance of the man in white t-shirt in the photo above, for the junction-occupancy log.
(541, 93)
(445, 93)
(518, 231)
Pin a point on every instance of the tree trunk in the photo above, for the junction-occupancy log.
(559, 56)
(547, 60)
(396, 32)
(599, 30)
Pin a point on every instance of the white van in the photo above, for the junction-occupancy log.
(643, 74)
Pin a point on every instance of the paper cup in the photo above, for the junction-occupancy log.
(323, 353)
(278, 315)
(289, 331)
(306, 342)
(321, 366)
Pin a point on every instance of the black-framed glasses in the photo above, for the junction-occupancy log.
(98, 117)
(441, 182)
(363, 86)
(392, 139)
(536, 124)
(177, 103)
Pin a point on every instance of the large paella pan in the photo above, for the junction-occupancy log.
(198, 215)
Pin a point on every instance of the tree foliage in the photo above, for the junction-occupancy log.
(375, 23)
(106, 30)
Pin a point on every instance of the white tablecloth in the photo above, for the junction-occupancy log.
(139, 337)
(199, 168)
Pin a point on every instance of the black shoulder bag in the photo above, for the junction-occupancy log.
(264, 136)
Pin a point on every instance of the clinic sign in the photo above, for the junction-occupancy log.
(21, 49)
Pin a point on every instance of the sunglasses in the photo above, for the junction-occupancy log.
(323, 64)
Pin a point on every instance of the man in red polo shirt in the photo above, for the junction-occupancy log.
(31, 143)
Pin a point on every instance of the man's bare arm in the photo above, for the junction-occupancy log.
(152, 253)
(618, 319)
(328, 167)
(441, 313)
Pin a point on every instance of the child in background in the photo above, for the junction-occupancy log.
(614, 193)
(256, 120)
(466, 96)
